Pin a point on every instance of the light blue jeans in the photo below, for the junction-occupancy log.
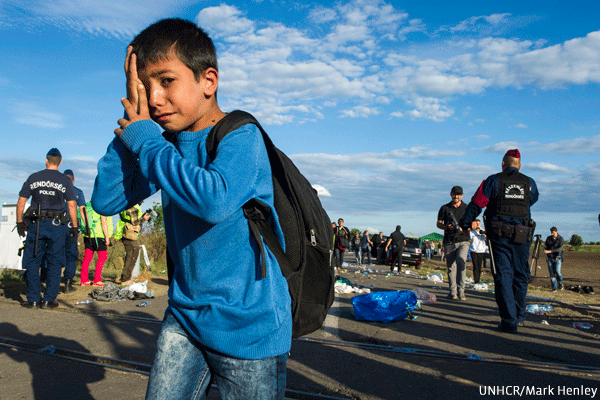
(456, 258)
(184, 369)
(554, 268)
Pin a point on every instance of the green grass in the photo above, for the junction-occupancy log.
(11, 275)
(588, 248)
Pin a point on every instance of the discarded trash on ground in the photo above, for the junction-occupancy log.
(437, 277)
(539, 308)
(478, 286)
(344, 285)
(582, 325)
(385, 306)
(111, 292)
(582, 289)
(48, 349)
(544, 322)
(424, 296)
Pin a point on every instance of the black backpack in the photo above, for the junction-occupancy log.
(306, 263)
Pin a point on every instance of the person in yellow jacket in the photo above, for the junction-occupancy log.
(128, 231)
(96, 238)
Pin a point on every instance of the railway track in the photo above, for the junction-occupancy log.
(139, 368)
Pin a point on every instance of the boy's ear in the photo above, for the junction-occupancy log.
(210, 82)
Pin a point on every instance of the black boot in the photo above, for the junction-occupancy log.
(69, 286)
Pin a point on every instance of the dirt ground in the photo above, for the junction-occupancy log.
(579, 268)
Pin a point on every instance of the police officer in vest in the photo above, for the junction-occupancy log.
(508, 197)
(46, 223)
(71, 249)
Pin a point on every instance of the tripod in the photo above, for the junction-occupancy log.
(535, 254)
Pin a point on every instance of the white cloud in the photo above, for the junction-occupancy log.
(576, 146)
(353, 55)
(359, 112)
(223, 21)
(110, 18)
(486, 23)
(35, 115)
(430, 108)
(575, 61)
(321, 191)
(548, 167)
(520, 126)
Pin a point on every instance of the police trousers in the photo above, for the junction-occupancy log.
(510, 279)
(51, 243)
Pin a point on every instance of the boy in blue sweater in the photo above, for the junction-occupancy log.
(224, 321)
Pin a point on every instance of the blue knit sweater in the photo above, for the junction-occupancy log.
(217, 292)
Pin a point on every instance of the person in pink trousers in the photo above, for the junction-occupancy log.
(96, 238)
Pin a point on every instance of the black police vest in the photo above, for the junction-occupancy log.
(513, 195)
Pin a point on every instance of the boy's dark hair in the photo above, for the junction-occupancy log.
(52, 160)
(189, 42)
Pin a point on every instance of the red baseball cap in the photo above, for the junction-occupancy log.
(514, 153)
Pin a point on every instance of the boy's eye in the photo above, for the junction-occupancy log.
(166, 81)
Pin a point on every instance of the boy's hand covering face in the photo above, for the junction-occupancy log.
(136, 103)
(132, 78)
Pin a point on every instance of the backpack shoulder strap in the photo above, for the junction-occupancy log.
(255, 211)
(227, 124)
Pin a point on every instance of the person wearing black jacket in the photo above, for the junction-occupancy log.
(342, 242)
(553, 249)
(456, 243)
(398, 242)
(377, 250)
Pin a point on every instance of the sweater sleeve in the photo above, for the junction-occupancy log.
(120, 183)
(212, 191)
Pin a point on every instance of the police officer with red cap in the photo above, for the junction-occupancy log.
(46, 224)
(507, 197)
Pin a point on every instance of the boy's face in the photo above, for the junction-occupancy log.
(177, 101)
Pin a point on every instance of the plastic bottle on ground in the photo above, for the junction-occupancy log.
(144, 303)
(88, 301)
(582, 325)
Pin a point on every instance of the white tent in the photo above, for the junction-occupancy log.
(10, 242)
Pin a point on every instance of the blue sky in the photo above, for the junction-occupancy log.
(384, 106)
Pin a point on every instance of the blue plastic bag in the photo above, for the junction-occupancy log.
(385, 306)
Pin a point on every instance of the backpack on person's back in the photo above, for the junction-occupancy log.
(306, 261)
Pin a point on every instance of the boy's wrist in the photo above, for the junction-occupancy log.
(136, 133)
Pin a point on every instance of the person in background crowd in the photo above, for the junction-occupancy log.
(377, 239)
(71, 249)
(365, 247)
(355, 245)
(397, 242)
(128, 231)
(96, 238)
(553, 248)
(456, 243)
(478, 249)
(342, 242)
(429, 246)
(334, 257)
